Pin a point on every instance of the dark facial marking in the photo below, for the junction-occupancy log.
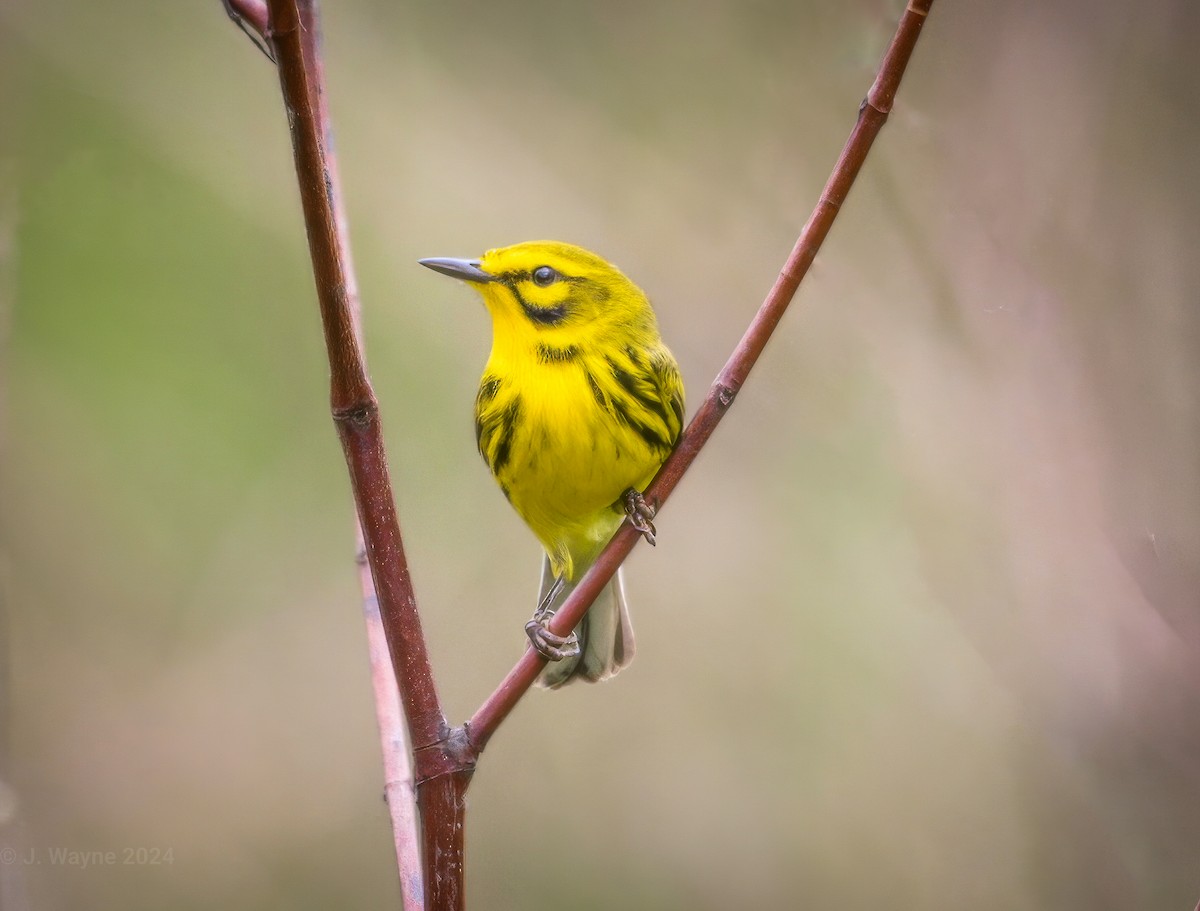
(546, 316)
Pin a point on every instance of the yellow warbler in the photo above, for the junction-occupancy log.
(578, 406)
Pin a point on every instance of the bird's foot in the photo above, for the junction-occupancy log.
(640, 514)
(547, 644)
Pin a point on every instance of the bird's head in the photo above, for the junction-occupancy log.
(543, 291)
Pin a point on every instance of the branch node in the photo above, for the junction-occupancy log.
(358, 415)
(454, 754)
(725, 394)
(460, 748)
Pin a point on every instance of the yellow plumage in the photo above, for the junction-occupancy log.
(580, 402)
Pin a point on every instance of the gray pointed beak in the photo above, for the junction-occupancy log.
(466, 270)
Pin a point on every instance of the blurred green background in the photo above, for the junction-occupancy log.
(921, 631)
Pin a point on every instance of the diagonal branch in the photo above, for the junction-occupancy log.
(871, 116)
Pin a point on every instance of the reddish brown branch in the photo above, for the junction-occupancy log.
(292, 33)
(399, 789)
(352, 400)
(871, 117)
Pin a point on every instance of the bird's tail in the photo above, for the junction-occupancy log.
(605, 634)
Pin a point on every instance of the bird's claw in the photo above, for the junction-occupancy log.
(641, 514)
(550, 645)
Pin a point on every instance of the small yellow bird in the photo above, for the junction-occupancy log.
(579, 405)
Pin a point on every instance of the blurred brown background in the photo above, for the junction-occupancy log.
(921, 631)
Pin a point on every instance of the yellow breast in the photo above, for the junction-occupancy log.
(566, 433)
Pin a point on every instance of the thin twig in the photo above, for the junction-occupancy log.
(871, 117)
(293, 35)
(398, 788)
(251, 17)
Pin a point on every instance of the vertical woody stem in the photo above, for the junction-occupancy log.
(352, 400)
(397, 766)
(442, 775)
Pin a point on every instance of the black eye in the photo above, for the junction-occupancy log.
(544, 275)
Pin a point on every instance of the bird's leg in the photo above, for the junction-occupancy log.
(640, 513)
(546, 643)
